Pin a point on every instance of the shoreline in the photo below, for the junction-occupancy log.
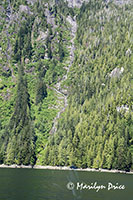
(64, 168)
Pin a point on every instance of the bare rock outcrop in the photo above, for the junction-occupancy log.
(75, 3)
(116, 72)
(25, 9)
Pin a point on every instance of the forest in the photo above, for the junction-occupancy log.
(66, 84)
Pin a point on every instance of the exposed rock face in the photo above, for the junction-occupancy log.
(42, 36)
(23, 8)
(5, 68)
(75, 3)
(31, 1)
(128, 52)
(123, 107)
(78, 3)
(116, 72)
(121, 2)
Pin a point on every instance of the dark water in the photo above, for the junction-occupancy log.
(31, 184)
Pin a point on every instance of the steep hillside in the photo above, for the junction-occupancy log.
(96, 129)
(35, 36)
(66, 83)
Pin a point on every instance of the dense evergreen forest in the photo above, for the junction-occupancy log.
(66, 83)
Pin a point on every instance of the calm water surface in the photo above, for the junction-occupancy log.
(33, 184)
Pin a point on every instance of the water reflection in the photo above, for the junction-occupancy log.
(30, 184)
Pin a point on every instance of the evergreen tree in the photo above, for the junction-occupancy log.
(41, 91)
(20, 148)
(121, 153)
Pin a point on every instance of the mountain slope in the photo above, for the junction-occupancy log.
(96, 129)
(37, 36)
(72, 104)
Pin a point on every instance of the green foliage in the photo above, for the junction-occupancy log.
(23, 45)
(96, 126)
(41, 91)
(31, 40)
(19, 136)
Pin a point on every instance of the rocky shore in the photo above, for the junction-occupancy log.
(64, 168)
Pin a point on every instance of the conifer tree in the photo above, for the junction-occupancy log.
(20, 147)
(41, 91)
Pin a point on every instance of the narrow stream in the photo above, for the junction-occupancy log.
(58, 88)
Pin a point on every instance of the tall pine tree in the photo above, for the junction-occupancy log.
(20, 146)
